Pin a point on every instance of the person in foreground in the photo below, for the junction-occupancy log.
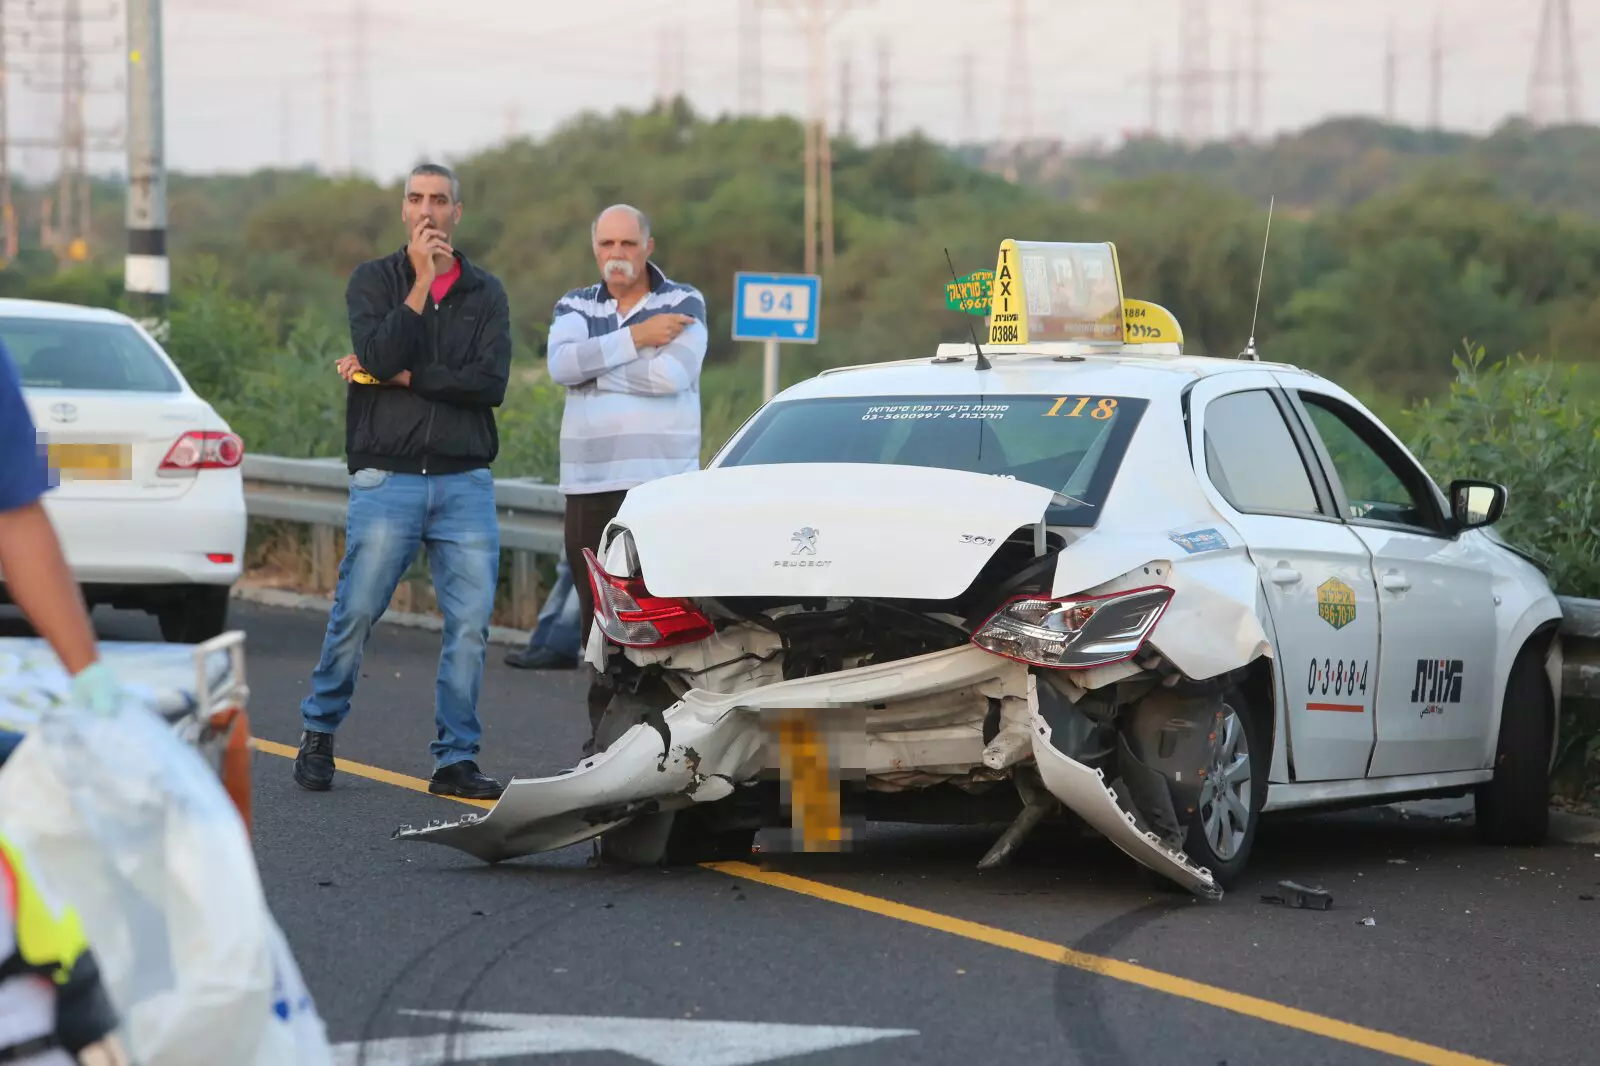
(629, 349)
(52, 1002)
(431, 334)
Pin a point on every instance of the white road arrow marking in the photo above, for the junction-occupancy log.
(663, 1041)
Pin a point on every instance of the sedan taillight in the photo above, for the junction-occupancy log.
(628, 615)
(203, 450)
(1074, 632)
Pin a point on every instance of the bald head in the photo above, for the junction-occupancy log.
(622, 246)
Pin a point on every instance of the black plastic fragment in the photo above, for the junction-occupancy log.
(1301, 897)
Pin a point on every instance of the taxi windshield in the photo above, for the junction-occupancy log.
(1072, 445)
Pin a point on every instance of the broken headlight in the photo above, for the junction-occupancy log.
(1076, 632)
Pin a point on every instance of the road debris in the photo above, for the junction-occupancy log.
(1369, 921)
(1299, 896)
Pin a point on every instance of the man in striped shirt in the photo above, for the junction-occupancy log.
(628, 349)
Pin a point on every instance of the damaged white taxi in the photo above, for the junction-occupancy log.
(1070, 574)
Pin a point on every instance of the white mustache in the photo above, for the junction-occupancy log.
(620, 266)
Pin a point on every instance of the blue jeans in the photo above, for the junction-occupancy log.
(389, 518)
(557, 628)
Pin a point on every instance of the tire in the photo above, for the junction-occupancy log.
(1248, 737)
(1514, 808)
(198, 616)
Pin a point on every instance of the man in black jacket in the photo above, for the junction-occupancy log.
(432, 355)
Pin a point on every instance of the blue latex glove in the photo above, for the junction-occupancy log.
(95, 689)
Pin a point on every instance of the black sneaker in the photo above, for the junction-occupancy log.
(313, 766)
(540, 659)
(464, 779)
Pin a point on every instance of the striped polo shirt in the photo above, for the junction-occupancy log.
(632, 415)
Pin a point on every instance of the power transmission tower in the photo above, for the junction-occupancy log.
(750, 56)
(360, 102)
(969, 92)
(844, 95)
(66, 225)
(1391, 76)
(1258, 74)
(1018, 124)
(1194, 70)
(1435, 79)
(1153, 86)
(669, 70)
(885, 87)
(1555, 69)
(330, 122)
(816, 18)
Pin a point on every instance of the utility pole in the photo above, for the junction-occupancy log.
(1154, 88)
(844, 95)
(146, 272)
(1233, 90)
(1555, 68)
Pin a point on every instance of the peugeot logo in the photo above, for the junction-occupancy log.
(805, 542)
(64, 412)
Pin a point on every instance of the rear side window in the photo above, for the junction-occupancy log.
(60, 354)
(1252, 459)
(1072, 445)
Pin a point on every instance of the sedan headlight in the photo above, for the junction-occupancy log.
(1076, 632)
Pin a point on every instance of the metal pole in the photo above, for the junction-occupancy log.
(769, 376)
(146, 273)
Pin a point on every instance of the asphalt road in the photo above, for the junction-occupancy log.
(1067, 956)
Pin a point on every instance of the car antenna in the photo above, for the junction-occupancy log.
(1250, 348)
(983, 364)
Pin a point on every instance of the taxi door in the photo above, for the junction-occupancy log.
(1257, 465)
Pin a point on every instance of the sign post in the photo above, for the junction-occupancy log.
(773, 308)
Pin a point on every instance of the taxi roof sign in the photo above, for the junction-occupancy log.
(1056, 291)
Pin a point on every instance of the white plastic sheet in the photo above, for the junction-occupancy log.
(127, 823)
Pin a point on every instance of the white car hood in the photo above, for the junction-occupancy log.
(824, 529)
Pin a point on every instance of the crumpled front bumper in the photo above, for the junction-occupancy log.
(714, 741)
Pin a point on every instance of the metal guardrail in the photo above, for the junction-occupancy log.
(315, 492)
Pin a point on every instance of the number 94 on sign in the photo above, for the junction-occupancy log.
(1339, 677)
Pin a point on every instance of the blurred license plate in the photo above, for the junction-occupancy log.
(92, 462)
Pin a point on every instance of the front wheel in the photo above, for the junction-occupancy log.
(1514, 807)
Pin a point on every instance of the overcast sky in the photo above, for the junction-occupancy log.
(246, 82)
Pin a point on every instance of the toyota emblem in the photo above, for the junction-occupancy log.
(64, 412)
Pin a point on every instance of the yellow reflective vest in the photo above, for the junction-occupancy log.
(51, 1002)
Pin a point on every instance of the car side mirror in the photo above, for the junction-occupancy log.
(1476, 503)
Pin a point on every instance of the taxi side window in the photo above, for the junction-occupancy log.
(1374, 490)
(1253, 460)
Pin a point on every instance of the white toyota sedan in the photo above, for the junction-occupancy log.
(148, 497)
(1092, 575)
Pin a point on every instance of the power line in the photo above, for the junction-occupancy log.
(1555, 70)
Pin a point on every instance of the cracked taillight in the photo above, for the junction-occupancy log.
(628, 615)
(1075, 632)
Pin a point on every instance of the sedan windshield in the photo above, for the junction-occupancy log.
(58, 353)
(1069, 444)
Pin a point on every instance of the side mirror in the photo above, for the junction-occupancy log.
(1476, 503)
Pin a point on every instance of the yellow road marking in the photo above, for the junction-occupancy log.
(1210, 995)
(1131, 973)
(373, 773)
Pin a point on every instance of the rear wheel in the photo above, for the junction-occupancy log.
(1514, 807)
(198, 615)
(1223, 830)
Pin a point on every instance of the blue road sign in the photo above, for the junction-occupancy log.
(780, 307)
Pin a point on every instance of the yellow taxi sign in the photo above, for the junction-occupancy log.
(1146, 323)
(1056, 291)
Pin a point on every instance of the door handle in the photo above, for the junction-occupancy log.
(1284, 574)
(1395, 581)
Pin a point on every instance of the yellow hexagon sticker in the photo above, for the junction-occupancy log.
(1336, 603)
